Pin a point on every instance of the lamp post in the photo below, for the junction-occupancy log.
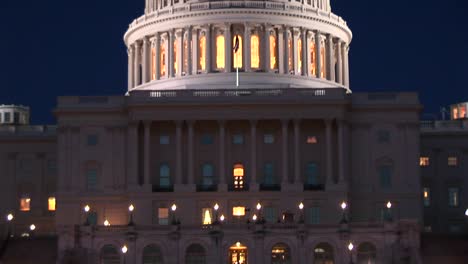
(174, 208)
(301, 216)
(344, 219)
(350, 248)
(32, 228)
(222, 218)
(106, 223)
(86, 210)
(389, 211)
(131, 208)
(124, 252)
(216, 208)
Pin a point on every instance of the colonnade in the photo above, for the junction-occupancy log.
(205, 49)
(222, 178)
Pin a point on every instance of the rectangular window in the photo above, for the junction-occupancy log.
(25, 204)
(311, 140)
(426, 197)
(238, 139)
(313, 215)
(7, 118)
(92, 140)
(92, 218)
(385, 175)
(270, 215)
(207, 175)
(16, 117)
(311, 174)
(268, 174)
(383, 136)
(51, 204)
(207, 216)
(453, 197)
(52, 166)
(163, 216)
(424, 161)
(164, 175)
(207, 139)
(452, 161)
(164, 140)
(268, 139)
(238, 211)
(91, 179)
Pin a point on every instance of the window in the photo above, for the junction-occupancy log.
(176, 62)
(323, 253)
(424, 161)
(270, 215)
(91, 178)
(207, 216)
(207, 175)
(237, 51)
(323, 73)
(207, 139)
(453, 197)
(92, 218)
(273, 53)
(268, 174)
(311, 174)
(299, 55)
(313, 215)
(7, 118)
(186, 48)
(164, 176)
(455, 113)
(162, 58)
(220, 52)
(385, 175)
(153, 63)
(426, 197)
(366, 253)
(238, 211)
(16, 117)
(202, 52)
(51, 204)
(312, 140)
(92, 140)
(462, 112)
(25, 204)
(452, 161)
(109, 255)
(383, 136)
(152, 255)
(195, 254)
(254, 52)
(313, 58)
(268, 139)
(238, 139)
(290, 55)
(238, 173)
(163, 216)
(164, 140)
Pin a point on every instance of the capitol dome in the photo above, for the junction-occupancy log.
(249, 44)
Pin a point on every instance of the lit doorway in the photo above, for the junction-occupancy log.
(238, 254)
(280, 254)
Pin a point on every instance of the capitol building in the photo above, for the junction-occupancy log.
(238, 141)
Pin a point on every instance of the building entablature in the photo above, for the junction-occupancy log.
(444, 127)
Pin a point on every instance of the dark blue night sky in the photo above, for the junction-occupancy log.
(63, 47)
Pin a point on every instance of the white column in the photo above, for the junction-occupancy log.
(330, 59)
(318, 48)
(295, 36)
(265, 59)
(281, 50)
(309, 58)
(305, 53)
(284, 126)
(195, 47)
(227, 48)
(328, 142)
(191, 178)
(297, 151)
(339, 61)
(166, 58)
(180, 51)
(157, 57)
(208, 51)
(136, 64)
(170, 49)
(178, 152)
(130, 66)
(147, 136)
(253, 153)
(286, 50)
(222, 142)
(146, 59)
(345, 65)
(246, 47)
(341, 165)
(189, 51)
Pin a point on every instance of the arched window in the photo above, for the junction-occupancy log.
(207, 216)
(323, 254)
(299, 55)
(220, 61)
(273, 52)
(152, 255)
(162, 58)
(366, 254)
(195, 254)
(238, 254)
(280, 254)
(313, 58)
(109, 255)
(238, 173)
(207, 175)
(202, 53)
(237, 51)
(153, 63)
(254, 52)
(164, 175)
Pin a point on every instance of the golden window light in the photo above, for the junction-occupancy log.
(186, 48)
(163, 212)
(220, 62)
(51, 203)
(322, 61)
(273, 55)
(153, 64)
(299, 55)
(207, 216)
(176, 62)
(238, 211)
(291, 54)
(202, 53)
(162, 58)
(237, 55)
(25, 204)
(424, 161)
(313, 58)
(254, 51)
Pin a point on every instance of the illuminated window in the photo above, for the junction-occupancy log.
(426, 197)
(51, 203)
(280, 253)
(453, 197)
(311, 140)
(202, 53)
(238, 173)
(254, 52)
(220, 52)
(290, 55)
(238, 254)
(299, 55)
(313, 58)
(455, 113)
(185, 65)
(322, 61)
(176, 62)
(462, 112)
(153, 63)
(424, 161)
(237, 51)
(452, 161)
(25, 204)
(207, 216)
(273, 53)
(162, 58)
(238, 211)
(163, 216)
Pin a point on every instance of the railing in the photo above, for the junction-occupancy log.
(444, 125)
(28, 130)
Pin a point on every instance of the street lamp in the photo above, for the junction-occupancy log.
(389, 211)
(174, 208)
(32, 227)
(466, 212)
(344, 219)
(10, 217)
(106, 223)
(301, 207)
(131, 208)
(259, 210)
(86, 210)
(124, 252)
(222, 218)
(350, 248)
(216, 208)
